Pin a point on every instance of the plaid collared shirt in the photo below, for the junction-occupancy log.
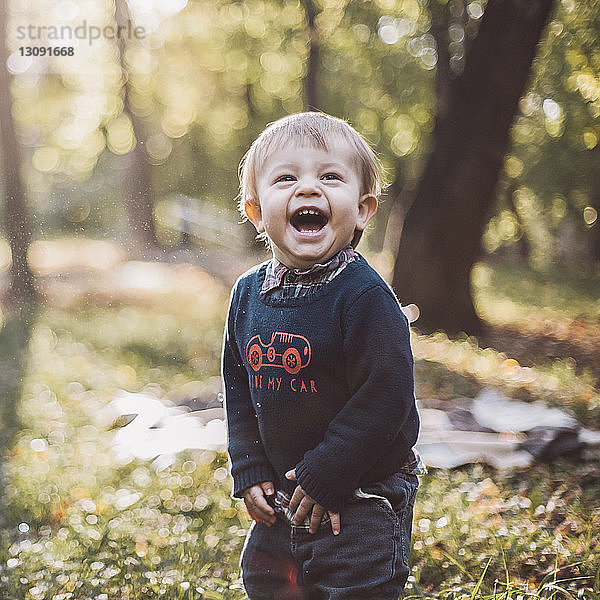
(292, 283)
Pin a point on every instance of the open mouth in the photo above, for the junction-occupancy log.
(308, 219)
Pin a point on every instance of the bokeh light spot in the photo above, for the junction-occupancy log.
(120, 136)
(513, 167)
(77, 211)
(46, 159)
(5, 255)
(475, 10)
(551, 109)
(590, 215)
(38, 445)
(590, 139)
(158, 147)
(66, 10)
(388, 33)
(17, 64)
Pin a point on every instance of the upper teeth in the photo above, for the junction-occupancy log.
(308, 211)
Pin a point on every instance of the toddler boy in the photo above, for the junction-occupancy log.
(318, 376)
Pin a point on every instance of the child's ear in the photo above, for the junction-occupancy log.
(254, 213)
(367, 207)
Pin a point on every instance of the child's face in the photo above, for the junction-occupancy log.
(310, 203)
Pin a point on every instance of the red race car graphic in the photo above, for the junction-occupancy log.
(286, 350)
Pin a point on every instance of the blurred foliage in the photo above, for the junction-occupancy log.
(205, 82)
(511, 292)
(551, 186)
(206, 76)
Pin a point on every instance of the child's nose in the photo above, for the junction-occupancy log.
(307, 187)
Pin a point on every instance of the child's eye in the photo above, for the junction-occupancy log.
(331, 177)
(285, 178)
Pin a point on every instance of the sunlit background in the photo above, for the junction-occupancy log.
(205, 77)
(115, 478)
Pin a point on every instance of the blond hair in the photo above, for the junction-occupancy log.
(314, 129)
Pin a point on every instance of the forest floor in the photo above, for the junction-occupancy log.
(82, 520)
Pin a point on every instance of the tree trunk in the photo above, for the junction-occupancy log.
(311, 85)
(140, 197)
(441, 239)
(443, 75)
(21, 302)
(17, 222)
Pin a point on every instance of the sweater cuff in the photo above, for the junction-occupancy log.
(249, 477)
(316, 490)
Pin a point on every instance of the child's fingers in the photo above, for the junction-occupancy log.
(261, 515)
(315, 518)
(257, 505)
(261, 519)
(297, 496)
(268, 488)
(335, 522)
(257, 499)
(304, 508)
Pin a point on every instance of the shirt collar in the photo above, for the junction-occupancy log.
(276, 270)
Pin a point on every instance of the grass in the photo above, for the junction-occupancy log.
(82, 523)
(527, 524)
(539, 325)
(513, 291)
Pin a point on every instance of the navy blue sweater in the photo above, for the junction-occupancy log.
(322, 383)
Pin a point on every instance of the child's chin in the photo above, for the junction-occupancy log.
(308, 259)
(304, 260)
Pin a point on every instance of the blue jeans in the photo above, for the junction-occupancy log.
(367, 560)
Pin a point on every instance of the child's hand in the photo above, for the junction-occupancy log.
(256, 504)
(305, 505)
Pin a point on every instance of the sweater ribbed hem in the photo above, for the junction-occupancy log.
(249, 477)
(314, 488)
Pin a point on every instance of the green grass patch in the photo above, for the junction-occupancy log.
(512, 291)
